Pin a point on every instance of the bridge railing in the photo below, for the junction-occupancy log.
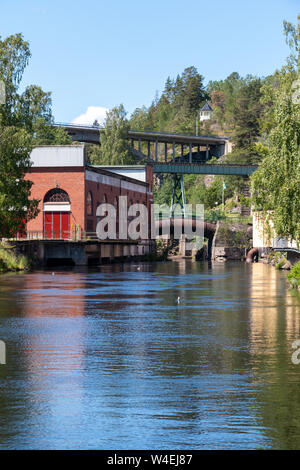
(72, 124)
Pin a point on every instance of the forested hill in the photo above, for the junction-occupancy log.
(237, 105)
(239, 111)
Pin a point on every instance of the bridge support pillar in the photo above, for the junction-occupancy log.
(207, 152)
(191, 154)
(166, 152)
(178, 194)
(149, 152)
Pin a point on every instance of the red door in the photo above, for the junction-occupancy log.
(48, 224)
(65, 224)
(56, 225)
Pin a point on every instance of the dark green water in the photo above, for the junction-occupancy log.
(106, 358)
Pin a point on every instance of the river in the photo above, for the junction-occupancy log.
(106, 359)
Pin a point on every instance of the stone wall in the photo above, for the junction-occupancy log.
(231, 241)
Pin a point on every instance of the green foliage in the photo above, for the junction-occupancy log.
(247, 113)
(276, 257)
(14, 57)
(45, 134)
(176, 109)
(196, 192)
(163, 193)
(114, 149)
(294, 275)
(30, 110)
(15, 205)
(10, 261)
(213, 215)
(228, 237)
(276, 183)
(224, 95)
(281, 263)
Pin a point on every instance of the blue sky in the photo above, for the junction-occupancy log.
(102, 53)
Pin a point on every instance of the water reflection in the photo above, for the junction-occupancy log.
(107, 359)
(275, 322)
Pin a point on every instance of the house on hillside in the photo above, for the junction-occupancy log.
(206, 112)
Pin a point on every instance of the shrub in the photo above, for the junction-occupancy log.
(294, 275)
(10, 261)
(281, 263)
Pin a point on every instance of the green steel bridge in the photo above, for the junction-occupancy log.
(180, 169)
(204, 169)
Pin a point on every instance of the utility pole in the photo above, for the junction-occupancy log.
(223, 188)
(197, 124)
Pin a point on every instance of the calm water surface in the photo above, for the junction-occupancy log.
(106, 358)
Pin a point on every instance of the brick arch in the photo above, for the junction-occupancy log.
(56, 195)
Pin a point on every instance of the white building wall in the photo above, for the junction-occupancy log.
(57, 155)
(262, 237)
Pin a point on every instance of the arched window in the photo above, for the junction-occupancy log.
(56, 195)
(89, 203)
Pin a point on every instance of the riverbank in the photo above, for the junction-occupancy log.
(11, 261)
(279, 261)
(294, 276)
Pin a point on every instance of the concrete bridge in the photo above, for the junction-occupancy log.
(81, 133)
(206, 146)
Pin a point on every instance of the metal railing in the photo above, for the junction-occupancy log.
(66, 236)
(72, 124)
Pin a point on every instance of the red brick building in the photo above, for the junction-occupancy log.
(70, 190)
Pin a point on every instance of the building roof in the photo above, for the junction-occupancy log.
(101, 170)
(206, 107)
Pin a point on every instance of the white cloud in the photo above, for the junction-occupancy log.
(92, 113)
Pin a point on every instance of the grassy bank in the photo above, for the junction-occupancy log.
(294, 276)
(10, 261)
